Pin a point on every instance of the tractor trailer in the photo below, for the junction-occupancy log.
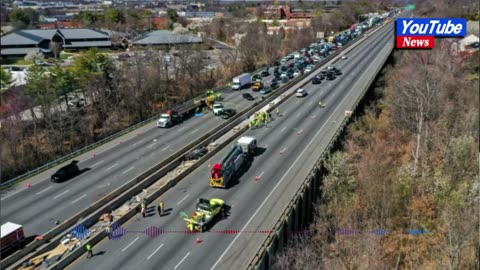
(180, 113)
(240, 153)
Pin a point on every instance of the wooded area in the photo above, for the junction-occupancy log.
(410, 167)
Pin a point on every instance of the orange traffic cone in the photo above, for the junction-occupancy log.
(198, 240)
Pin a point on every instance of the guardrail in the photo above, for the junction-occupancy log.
(257, 259)
(155, 172)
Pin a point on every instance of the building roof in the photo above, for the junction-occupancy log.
(9, 227)
(35, 36)
(86, 44)
(165, 37)
(27, 37)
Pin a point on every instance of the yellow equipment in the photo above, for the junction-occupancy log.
(205, 212)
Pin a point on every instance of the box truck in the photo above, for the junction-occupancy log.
(241, 81)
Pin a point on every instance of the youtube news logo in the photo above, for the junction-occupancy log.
(415, 33)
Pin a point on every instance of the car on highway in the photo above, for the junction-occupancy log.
(257, 86)
(217, 108)
(284, 68)
(337, 72)
(284, 79)
(247, 96)
(227, 113)
(296, 73)
(344, 57)
(308, 70)
(316, 80)
(283, 75)
(301, 93)
(290, 75)
(276, 63)
(266, 90)
(330, 75)
(66, 172)
(265, 73)
(274, 84)
(257, 78)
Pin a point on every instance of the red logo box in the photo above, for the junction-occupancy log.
(415, 42)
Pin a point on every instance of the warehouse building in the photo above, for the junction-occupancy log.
(19, 43)
(165, 38)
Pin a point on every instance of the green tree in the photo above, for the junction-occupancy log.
(21, 18)
(114, 15)
(38, 88)
(172, 14)
(34, 57)
(6, 79)
(62, 81)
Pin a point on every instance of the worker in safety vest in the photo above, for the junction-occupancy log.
(88, 247)
(161, 208)
(108, 232)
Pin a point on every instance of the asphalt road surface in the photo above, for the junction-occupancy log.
(259, 192)
(38, 208)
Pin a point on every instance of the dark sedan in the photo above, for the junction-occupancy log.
(247, 96)
(227, 113)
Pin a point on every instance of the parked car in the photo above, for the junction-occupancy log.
(66, 172)
(227, 113)
(247, 96)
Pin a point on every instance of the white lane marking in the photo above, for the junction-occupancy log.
(283, 178)
(131, 243)
(283, 150)
(127, 170)
(113, 166)
(16, 192)
(194, 131)
(135, 144)
(260, 176)
(178, 264)
(182, 128)
(148, 258)
(151, 145)
(183, 199)
(283, 129)
(166, 147)
(98, 163)
(40, 192)
(84, 195)
(61, 194)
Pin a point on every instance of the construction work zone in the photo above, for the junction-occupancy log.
(260, 119)
(43, 261)
(212, 96)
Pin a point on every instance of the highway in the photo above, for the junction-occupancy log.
(263, 187)
(38, 208)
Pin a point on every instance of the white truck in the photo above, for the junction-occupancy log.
(241, 81)
(12, 236)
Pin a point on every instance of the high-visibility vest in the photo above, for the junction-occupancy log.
(88, 247)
